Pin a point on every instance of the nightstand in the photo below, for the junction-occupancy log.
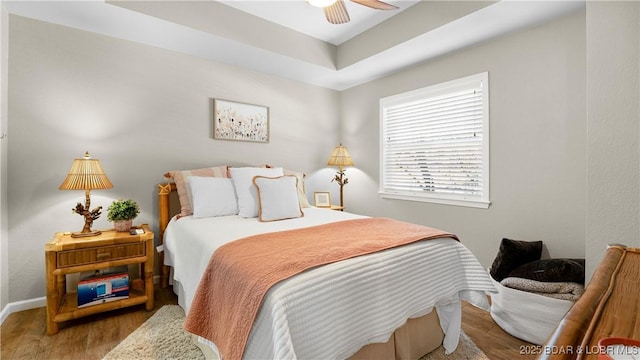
(337, 207)
(67, 255)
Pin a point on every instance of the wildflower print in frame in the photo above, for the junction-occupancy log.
(239, 121)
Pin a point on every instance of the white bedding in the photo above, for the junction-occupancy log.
(333, 310)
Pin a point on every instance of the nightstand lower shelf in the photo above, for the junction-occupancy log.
(69, 310)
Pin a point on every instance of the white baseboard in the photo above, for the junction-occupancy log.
(21, 306)
(35, 303)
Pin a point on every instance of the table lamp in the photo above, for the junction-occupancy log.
(86, 174)
(340, 157)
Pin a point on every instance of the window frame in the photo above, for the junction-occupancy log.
(432, 91)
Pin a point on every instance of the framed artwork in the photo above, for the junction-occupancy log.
(239, 121)
(322, 199)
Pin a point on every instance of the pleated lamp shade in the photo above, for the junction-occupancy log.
(340, 157)
(86, 174)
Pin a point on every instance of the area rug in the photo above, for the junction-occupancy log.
(162, 338)
(466, 349)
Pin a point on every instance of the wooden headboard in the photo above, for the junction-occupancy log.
(168, 206)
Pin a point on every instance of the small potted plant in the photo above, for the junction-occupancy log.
(121, 213)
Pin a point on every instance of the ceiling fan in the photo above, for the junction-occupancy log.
(336, 12)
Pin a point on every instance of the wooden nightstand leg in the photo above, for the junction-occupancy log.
(147, 271)
(53, 295)
(52, 306)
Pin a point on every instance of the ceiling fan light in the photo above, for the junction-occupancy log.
(321, 3)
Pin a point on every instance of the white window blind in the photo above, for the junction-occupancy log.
(435, 143)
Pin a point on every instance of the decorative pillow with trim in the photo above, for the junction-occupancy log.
(277, 198)
(302, 194)
(212, 196)
(180, 178)
(512, 254)
(245, 190)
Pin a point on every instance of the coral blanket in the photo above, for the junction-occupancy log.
(241, 272)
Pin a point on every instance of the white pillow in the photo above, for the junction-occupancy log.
(212, 196)
(245, 190)
(277, 198)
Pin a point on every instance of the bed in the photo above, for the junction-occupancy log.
(401, 302)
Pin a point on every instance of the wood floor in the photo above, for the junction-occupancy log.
(488, 336)
(23, 334)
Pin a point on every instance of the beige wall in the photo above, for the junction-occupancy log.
(537, 140)
(4, 239)
(613, 127)
(142, 111)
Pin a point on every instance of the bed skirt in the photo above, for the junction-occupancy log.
(416, 338)
(411, 341)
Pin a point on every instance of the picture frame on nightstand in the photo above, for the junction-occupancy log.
(322, 199)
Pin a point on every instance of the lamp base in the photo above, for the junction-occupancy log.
(86, 234)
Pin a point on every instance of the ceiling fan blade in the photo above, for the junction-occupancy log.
(337, 13)
(376, 4)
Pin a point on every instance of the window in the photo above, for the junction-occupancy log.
(435, 143)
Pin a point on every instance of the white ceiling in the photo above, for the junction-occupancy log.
(303, 17)
(116, 21)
